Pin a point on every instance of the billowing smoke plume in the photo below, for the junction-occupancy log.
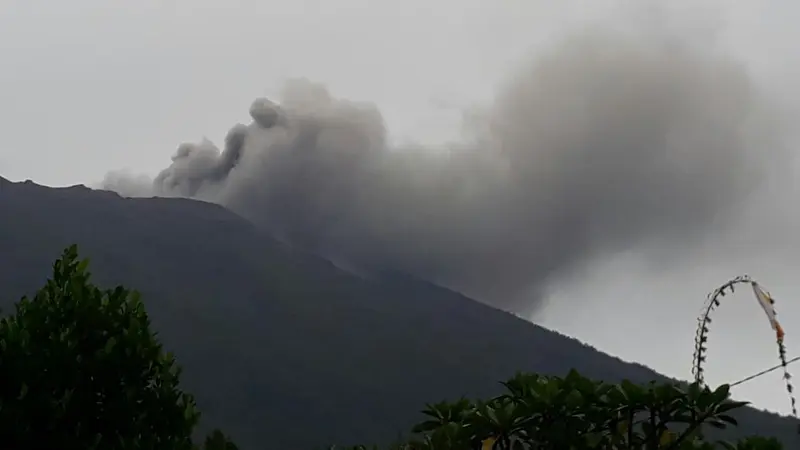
(604, 143)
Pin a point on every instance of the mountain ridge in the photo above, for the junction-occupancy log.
(272, 338)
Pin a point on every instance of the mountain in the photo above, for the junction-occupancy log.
(284, 349)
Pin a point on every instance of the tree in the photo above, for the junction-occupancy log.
(80, 368)
(217, 440)
(576, 413)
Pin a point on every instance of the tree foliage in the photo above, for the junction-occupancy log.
(576, 413)
(81, 368)
(217, 440)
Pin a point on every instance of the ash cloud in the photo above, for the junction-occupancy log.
(604, 143)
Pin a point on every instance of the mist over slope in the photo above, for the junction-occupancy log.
(604, 142)
(281, 348)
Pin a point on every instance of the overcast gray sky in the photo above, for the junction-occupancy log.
(89, 86)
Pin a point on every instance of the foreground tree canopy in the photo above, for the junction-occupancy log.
(576, 413)
(80, 368)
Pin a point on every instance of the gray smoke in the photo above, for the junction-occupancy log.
(602, 144)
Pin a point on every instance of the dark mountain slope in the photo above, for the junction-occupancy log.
(282, 349)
